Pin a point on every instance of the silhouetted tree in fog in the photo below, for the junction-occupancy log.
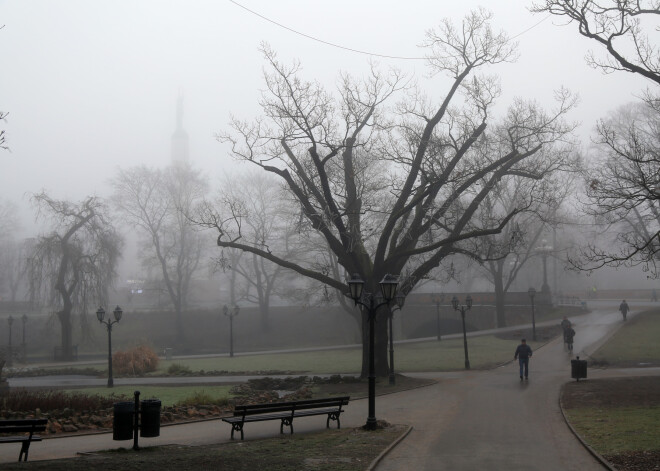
(267, 223)
(71, 268)
(159, 204)
(623, 187)
(393, 186)
(618, 26)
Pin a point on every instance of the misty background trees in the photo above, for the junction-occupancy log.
(159, 203)
(622, 181)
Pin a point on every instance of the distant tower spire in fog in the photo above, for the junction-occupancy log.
(179, 137)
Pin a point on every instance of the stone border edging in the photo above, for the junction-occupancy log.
(593, 452)
(383, 453)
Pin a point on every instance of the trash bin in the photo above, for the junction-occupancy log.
(578, 368)
(150, 418)
(122, 422)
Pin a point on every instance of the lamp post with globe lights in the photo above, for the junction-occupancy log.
(231, 312)
(438, 300)
(532, 293)
(24, 318)
(100, 315)
(466, 307)
(388, 287)
(10, 356)
(398, 304)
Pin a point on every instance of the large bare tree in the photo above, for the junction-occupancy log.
(159, 203)
(392, 187)
(619, 27)
(72, 267)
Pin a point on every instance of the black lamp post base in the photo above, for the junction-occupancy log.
(372, 424)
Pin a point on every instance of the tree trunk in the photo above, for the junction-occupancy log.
(500, 295)
(180, 336)
(380, 350)
(64, 317)
(263, 316)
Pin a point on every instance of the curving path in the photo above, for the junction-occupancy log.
(491, 420)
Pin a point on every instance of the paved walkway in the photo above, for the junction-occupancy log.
(468, 420)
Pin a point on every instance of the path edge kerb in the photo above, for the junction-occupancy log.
(593, 452)
(391, 446)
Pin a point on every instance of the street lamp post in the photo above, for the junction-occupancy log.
(388, 290)
(10, 361)
(231, 313)
(100, 314)
(532, 293)
(399, 300)
(438, 300)
(466, 307)
(545, 250)
(24, 345)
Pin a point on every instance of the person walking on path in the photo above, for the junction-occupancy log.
(623, 307)
(523, 353)
(569, 334)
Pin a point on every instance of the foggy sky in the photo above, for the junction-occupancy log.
(92, 85)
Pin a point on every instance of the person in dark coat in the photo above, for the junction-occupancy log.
(623, 307)
(523, 354)
(569, 334)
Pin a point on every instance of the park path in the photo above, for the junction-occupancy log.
(468, 420)
(491, 420)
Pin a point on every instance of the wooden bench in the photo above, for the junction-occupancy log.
(25, 426)
(286, 412)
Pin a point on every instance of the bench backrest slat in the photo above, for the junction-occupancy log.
(22, 429)
(23, 422)
(253, 409)
(23, 426)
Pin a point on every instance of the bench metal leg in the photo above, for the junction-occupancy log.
(288, 422)
(238, 426)
(332, 416)
(25, 446)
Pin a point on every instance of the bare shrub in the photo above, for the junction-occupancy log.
(135, 361)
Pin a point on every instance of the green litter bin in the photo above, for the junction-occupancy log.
(578, 369)
(150, 418)
(122, 421)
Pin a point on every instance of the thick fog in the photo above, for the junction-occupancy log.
(93, 86)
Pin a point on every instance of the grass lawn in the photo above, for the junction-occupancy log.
(331, 450)
(635, 344)
(620, 417)
(446, 355)
(168, 395)
(618, 430)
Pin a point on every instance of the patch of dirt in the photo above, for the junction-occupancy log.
(615, 392)
(636, 460)
(640, 391)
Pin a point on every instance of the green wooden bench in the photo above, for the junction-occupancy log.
(285, 412)
(26, 427)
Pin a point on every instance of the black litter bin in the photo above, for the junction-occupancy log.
(150, 418)
(122, 422)
(578, 368)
